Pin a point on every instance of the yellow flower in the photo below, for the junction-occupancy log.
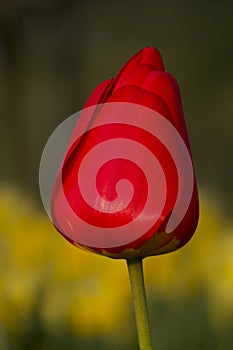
(91, 293)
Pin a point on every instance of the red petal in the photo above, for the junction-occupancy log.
(134, 94)
(148, 57)
(142, 81)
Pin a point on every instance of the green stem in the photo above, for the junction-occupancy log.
(140, 306)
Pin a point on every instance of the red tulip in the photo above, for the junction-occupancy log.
(126, 187)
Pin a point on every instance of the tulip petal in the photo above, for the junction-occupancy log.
(147, 58)
(141, 82)
(134, 94)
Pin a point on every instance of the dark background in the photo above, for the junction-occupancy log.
(53, 53)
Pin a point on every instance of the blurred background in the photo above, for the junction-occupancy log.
(52, 55)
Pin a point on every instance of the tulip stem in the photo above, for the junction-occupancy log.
(135, 269)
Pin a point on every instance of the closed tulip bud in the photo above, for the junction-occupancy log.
(126, 187)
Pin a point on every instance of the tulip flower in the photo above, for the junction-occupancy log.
(132, 139)
(126, 187)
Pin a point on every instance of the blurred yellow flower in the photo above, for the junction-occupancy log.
(91, 293)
